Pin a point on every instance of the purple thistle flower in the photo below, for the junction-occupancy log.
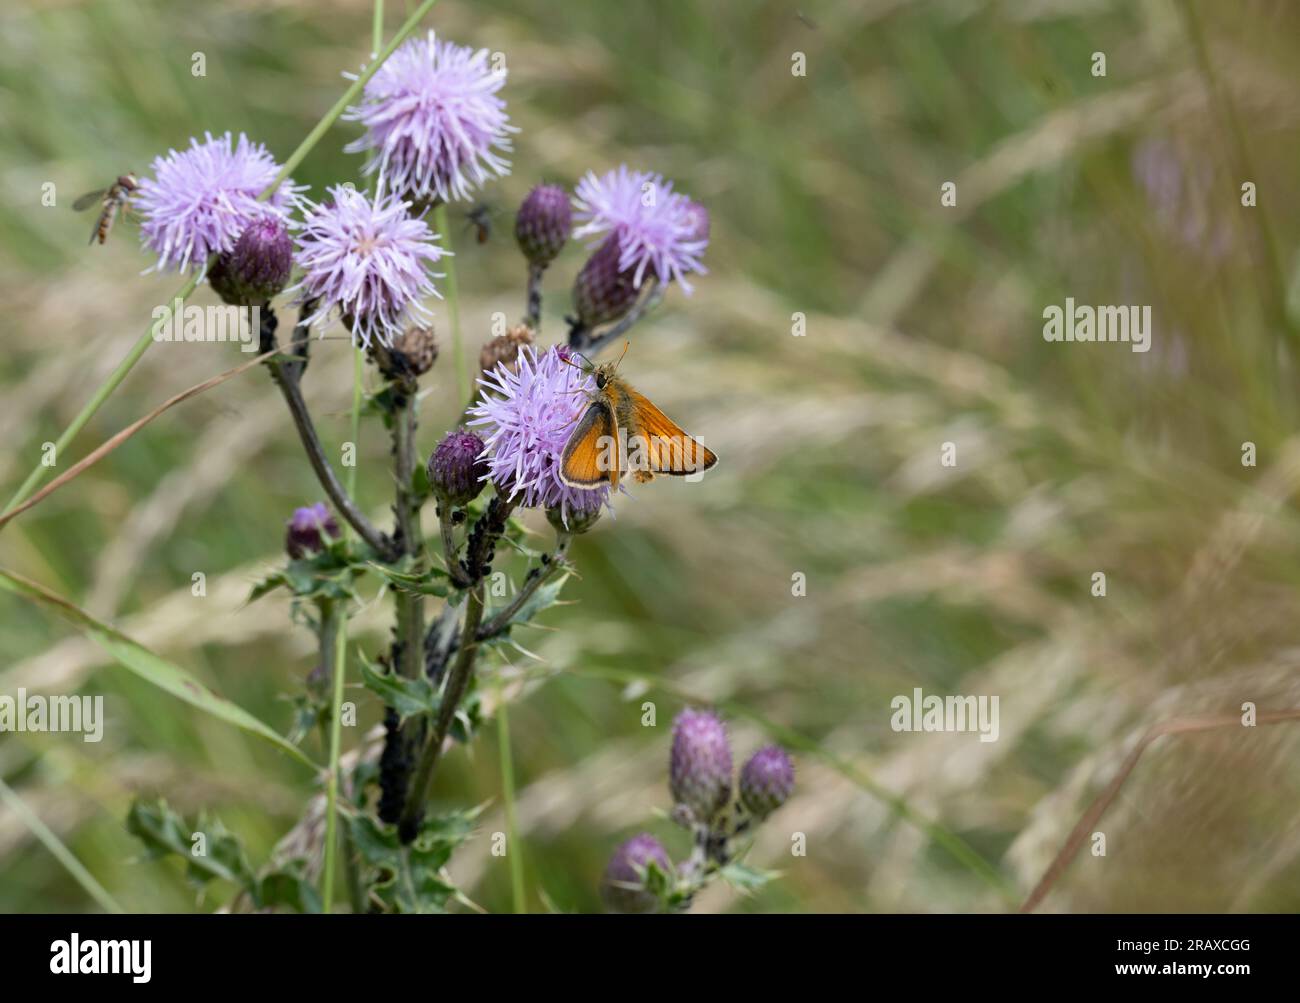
(306, 532)
(200, 200)
(699, 770)
(434, 121)
(622, 886)
(366, 260)
(766, 780)
(528, 413)
(656, 227)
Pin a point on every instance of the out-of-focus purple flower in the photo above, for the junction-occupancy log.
(699, 770)
(527, 414)
(622, 887)
(433, 121)
(1181, 194)
(258, 266)
(201, 199)
(766, 780)
(657, 229)
(366, 260)
(456, 468)
(603, 292)
(306, 532)
(543, 223)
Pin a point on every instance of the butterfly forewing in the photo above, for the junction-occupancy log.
(585, 462)
(668, 450)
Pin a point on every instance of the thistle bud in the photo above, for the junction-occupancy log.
(257, 267)
(622, 887)
(573, 520)
(543, 223)
(306, 533)
(410, 354)
(767, 780)
(601, 293)
(699, 772)
(504, 348)
(455, 468)
(418, 347)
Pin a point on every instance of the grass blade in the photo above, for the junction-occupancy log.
(150, 667)
(61, 853)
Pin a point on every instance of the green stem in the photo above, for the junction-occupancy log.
(334, 640)
(115, 378)
(358, 368)
(377, 29)
(453, 305)
(55, 845)
(138, 349)
(516, 851)
(349, 95)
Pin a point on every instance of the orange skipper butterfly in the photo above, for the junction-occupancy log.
(621, 431)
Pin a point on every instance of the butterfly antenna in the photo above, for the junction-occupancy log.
(626, 346)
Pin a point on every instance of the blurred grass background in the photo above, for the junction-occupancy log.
(923, 327)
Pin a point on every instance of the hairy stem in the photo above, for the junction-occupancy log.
(479, 551)
(537, 577)
(533, 314)
(286, 373)
(589, 342)
(457, 682)
(446, 527)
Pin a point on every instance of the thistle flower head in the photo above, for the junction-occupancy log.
(367, 260)
(657, 228)
(622, 885)
(766, 780)
(433, 121)
(456, 469)
(504, 348)
(699, 770)
(307, 530)
(603, 292)
(412, 353)
(259, 264)
(527, 414)
(543, 223)
(200, 200)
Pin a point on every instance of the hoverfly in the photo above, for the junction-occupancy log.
(479, 218)
(111, 201)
